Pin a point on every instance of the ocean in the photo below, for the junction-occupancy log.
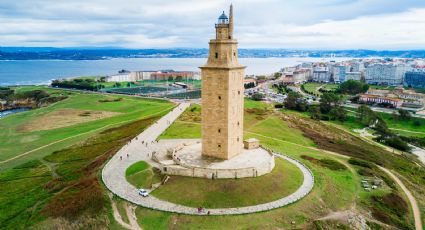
(38, 72)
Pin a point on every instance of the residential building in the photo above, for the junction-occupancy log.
(122, 76)
(174, 75)
(370, 98)
(339, 73)
(415, 78)
(321, 74)
(385, 74)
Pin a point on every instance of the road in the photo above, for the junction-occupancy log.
(138, 149)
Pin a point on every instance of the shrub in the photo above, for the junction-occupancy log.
(327, 163)
(353, 87)
(365, 172)
(257, 97)
(332, 164)
(417, 123)
(361, 163)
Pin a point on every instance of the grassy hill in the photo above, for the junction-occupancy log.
(59, 186)
(37, 133)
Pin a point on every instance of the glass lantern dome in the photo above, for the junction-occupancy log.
(223, 19)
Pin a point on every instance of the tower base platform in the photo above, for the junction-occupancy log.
(184, 158)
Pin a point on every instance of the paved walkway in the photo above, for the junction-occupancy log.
(113, 174)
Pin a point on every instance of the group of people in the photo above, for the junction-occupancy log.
(146, 142)
(202, 210)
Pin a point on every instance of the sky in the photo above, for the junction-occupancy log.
(286, 24)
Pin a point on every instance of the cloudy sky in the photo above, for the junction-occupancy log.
(289, 24)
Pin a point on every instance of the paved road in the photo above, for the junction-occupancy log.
(113, 174)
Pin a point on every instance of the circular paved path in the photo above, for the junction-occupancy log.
(113, 174)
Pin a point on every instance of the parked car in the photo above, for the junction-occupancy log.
(143, 192)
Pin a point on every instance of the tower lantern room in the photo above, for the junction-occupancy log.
(223, 19)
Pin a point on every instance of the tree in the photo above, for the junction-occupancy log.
(338, 113)
(277, 75)
(404, 114)
(328, 101)
(417, 123)
(257, 97)
(249, 85)
(6, 92)
(295, 101)
(353, 87)
(365, 115)
(315, 112)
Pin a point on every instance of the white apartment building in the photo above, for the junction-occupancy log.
(321, 74)
(385, 74)
(301, 75)
(121, 77)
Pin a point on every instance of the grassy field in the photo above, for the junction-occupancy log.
(60, 186)
(275, 133)
(226, 193)
(283, 134)
(142, 175)
(312, 87)
(64, 188)
(37, 133)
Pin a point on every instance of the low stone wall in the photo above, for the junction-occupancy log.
(218, 173)
(183, 169)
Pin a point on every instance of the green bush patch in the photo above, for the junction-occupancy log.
(390, 208)
(325, 162)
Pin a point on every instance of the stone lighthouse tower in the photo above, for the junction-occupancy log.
(222, 94)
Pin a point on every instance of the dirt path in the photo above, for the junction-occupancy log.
(80, 134)
(118, 217)
(412, 200)
(130, 210)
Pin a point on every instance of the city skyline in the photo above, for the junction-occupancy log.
(330, 24)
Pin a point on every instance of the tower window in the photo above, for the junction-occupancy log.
(216, 55)
(239, 92)
(219, 146)
(238, 139)
(219, 97)
(234, 54)
(219, 130)
(238, 123)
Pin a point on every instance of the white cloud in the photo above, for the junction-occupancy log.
(329, 24)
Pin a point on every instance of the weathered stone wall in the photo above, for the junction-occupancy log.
(183, 169)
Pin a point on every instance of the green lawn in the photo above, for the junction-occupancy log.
(14, 142)
(333, 190)
(64, 187)
(276, 134)
(141, 175)
(311, 87)
(225, 193)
